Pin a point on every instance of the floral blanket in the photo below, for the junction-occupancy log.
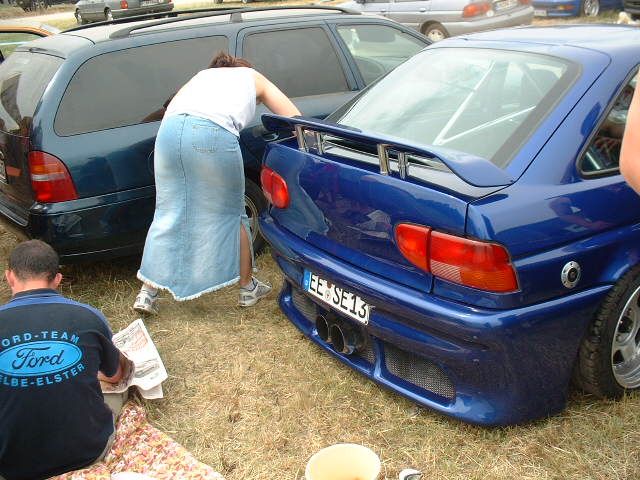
(143, 449)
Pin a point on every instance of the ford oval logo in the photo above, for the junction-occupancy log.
(38, 358)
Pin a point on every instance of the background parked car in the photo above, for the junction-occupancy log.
(632, 7)
(460, 232)
(573, 8)
(14, 34)
(438, 19)
(77, 143)
(98, 10)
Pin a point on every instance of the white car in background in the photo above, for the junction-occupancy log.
(101, 10)
(438, 19)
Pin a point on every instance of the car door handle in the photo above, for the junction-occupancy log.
(270, 136)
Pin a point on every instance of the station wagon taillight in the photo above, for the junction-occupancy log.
(274, 187)
(50, 179)
(475, 9)
(482, 265)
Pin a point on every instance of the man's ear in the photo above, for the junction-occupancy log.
(10, 277)
(56, 281)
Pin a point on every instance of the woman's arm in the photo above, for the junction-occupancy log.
(273, 98)
(630, 151)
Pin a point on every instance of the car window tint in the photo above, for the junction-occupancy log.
(131, 86)
(300, 62)
(10, 40)
(378, 49)
(23, 79)
(478, 101)
(603, 153)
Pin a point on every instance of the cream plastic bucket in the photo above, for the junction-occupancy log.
(343, 461)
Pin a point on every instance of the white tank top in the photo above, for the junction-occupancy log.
(226, 96)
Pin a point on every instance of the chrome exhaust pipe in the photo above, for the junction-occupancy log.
(343, 339)
(322, 328)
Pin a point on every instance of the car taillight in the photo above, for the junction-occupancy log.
(50, 179)
(123, 4)
(413, 242)
(274, 188)
(482, 265)
(475, 9)
(525, 2)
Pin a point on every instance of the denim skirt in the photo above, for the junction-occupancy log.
(193, 244)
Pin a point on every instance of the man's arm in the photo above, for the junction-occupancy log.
(124, 365)
(630, 151)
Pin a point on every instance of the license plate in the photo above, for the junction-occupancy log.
(340, 299)
(145, 3)
(540, 13)
(504, 4)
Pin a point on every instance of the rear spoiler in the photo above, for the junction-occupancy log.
(476, 171)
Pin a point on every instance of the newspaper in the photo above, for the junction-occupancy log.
(148, 371)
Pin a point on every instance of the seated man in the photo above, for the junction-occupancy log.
(53, 417)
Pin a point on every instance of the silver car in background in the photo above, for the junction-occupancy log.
(438, 19)
(100, 10)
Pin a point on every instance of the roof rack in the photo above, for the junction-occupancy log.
(173, 16)
(148, 16)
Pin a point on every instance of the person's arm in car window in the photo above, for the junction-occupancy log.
(630, 151)
(273, 98)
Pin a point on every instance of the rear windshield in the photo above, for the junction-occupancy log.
(23, 79)
(478, 101)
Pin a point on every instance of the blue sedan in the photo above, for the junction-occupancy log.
(573, 8)
(460, 232)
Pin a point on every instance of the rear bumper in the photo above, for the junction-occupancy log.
(482, 366)
(102, 227)
(522, 16)
(557, 9)
(128, 12)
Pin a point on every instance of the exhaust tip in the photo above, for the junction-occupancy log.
(342, 340)
(322, 328)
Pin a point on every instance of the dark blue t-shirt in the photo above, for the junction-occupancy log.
(53, 418)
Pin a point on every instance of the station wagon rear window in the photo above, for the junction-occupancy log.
(23, 78)
(131, 86)
(478, 101)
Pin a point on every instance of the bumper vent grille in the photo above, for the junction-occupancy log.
(366, 352)
(418, 371)
(304, 305)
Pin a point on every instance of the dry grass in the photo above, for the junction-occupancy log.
(250, 396)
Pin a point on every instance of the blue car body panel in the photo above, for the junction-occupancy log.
(492, 358)
(568, 8)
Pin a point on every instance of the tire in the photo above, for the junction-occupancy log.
(608, 360)
(79, 18)
(590, 8)
(435, 32)
(255, 203)
(108, 16)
